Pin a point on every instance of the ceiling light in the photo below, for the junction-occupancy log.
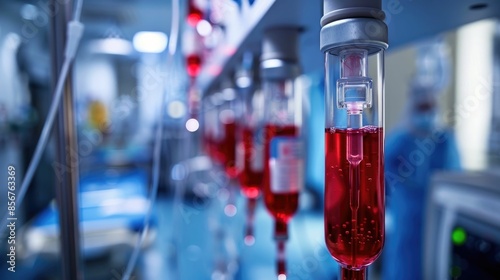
(150, 42)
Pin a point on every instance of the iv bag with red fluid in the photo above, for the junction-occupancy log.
(354, 168)
(283, 149)
(250, 161)
(250, 150)
(250, 141)
(250, 155)
(283, 172)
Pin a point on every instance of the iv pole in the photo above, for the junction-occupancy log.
(67, 149)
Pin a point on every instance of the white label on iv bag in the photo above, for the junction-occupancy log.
(286, 165)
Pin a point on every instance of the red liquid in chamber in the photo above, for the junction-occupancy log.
(281, 205)
(193, 65)
(354, 229)
(251, 172)
(194, 14)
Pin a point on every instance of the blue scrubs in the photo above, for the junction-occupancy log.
(410, 161)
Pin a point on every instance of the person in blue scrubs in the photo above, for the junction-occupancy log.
(414, 151)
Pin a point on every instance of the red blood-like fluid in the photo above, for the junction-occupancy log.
(250, 179)
(194, 14)
(280, 260)
(229, 149)
(354, 235)
(193, 65)
(283, 205)
(348, 274)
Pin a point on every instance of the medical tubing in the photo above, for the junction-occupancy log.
(174, 31)
(280, 258)
(157, 149)
(74, 33)
(249, 227)
(78, 11)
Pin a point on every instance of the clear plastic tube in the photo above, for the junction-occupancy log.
(354, 181)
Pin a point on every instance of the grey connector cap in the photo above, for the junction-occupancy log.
(280, 53)
(366, 33)
(342, 9)
(353, 22)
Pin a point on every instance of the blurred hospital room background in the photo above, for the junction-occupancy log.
(136, 162)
